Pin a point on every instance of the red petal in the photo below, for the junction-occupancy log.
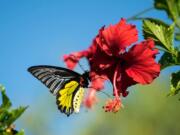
(140, 62)
(123, 83)
(72, 59)
(97, 81)
(115, 38)
(100, 60)
(91, 99)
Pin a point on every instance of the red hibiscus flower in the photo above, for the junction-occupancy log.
(109, 58)
(135, 66)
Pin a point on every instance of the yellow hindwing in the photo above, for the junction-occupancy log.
(65, 97)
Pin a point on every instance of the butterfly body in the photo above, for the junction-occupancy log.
(67, 85)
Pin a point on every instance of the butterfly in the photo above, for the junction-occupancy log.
(67, 85)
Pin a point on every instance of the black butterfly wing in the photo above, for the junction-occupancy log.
(53, 77)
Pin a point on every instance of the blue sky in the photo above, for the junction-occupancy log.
(41, 31)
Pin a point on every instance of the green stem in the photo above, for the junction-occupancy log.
(136, 16)
(164, 50)
(173, 53)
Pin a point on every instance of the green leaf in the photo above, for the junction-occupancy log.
(4, 116)
(5, 133)
(160, 4)
(6, 103)
(172, 8)
(157, 21)
(160, 32)
(175, 84)
(177, 36)
(169, 59)
(8, 115)
(20, 132)
(15, 114)
(12, 132)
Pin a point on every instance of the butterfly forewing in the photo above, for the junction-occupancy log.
(53, 77)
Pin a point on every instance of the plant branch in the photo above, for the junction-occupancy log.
(136, 16)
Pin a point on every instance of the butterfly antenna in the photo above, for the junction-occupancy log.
(81, 67)
(79, 63)
(109, 96)
(105, 93)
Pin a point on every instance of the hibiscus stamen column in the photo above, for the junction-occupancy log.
(113, 105)
(114, 82)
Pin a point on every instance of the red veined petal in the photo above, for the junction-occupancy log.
(140, 62)
(115, 38)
